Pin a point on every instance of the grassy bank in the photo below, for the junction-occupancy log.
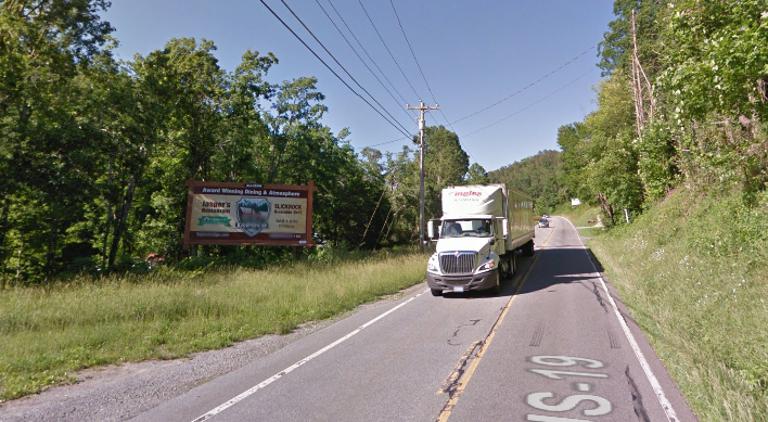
(47, 334)
(580, 216)
(693, 272)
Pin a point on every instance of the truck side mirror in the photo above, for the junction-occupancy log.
(505, 227)
(431, 228)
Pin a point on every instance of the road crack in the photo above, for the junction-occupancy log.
(472, 323)
(637, 398)
(451, 383)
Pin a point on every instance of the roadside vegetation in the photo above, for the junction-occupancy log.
(678, 140)
(692, 270)
(52, 331)
(580, 216)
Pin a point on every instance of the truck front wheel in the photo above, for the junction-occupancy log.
(505, 270)
(436, 292)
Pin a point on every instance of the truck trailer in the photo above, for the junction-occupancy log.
(479, 236)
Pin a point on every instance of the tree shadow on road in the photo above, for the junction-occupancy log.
(561, 265)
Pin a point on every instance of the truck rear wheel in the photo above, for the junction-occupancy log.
(528, 248)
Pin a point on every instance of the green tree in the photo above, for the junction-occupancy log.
(539, 176)
(49, 146)
(476, 175)
(240, 154)
(185, 86)
(445, 164)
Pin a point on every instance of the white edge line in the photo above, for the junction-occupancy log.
(240, 397)
(669, 411)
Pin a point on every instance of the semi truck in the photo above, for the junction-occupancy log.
(479, 236)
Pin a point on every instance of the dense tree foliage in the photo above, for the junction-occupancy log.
(685, 101)
(94, 153)
(540, 176)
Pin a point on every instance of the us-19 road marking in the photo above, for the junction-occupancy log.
(542, 400)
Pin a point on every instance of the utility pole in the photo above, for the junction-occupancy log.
(422, 108)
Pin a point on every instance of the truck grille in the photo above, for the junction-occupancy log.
(457, 262)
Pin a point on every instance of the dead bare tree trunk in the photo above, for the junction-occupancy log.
(121, 223)
(383, 226)
(370, 220)
(606, 207)
(4, 227)
(637, 87)
(642, 89)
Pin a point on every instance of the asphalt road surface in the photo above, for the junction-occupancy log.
(554, 346)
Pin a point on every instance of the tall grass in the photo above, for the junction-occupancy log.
(47, 334)
(693, 270)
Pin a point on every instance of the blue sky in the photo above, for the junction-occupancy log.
(474, 53)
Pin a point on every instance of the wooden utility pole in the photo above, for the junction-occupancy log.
(422, 108)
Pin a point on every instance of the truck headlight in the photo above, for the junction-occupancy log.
(488, 265)
(433, 265)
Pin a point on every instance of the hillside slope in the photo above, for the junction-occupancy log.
(692, 269)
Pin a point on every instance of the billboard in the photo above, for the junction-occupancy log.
(248, 214)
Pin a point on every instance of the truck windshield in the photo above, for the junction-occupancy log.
(466, 228)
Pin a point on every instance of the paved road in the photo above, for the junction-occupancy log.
(549, 348)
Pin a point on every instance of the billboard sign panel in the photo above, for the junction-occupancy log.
(248, 214)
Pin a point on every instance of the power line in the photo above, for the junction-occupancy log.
(288, 27)
(418, 65)
(365, 51)
(527, 87)
(386, 47)
(387, 142)
(540, 100)
(392, 56)
(506, 117)
(354, 50)
(341, 65)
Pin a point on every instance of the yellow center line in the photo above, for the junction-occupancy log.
(474, 363)
(546, 241)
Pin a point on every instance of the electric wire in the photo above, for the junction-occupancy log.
(530, 105)
(341, 65)
(508, 116)
(418, 65)
(365, 51)
(386, 47)
(385, 143)
(527, 87)
(359, 57)
(288, 27)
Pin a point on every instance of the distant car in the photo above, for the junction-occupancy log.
(545, 216)
(544, 222)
